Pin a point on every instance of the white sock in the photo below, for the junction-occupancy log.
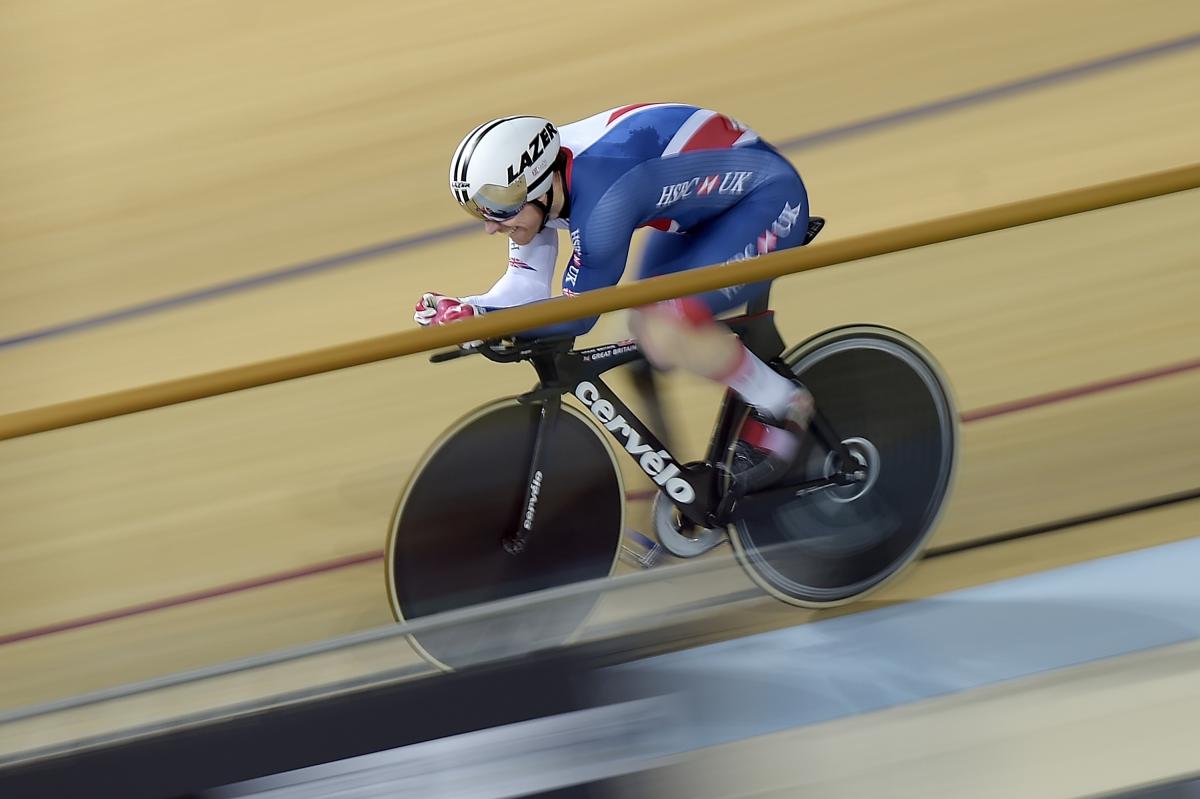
(760, 385)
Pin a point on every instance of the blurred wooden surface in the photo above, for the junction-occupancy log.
(1087, 731)
(150, 150)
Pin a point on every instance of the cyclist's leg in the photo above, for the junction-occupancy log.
(773, 218)
(682, 332)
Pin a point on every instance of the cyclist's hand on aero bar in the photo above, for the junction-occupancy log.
(438, 309)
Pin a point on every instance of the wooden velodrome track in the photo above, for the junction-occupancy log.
(151, 152)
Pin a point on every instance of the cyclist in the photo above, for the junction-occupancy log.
(711, 190)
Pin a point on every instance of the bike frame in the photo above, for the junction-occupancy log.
(695, 489)
(701, 491)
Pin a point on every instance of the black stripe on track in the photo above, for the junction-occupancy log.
(1064, 524)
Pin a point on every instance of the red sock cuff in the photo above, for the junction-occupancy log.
(772, 439)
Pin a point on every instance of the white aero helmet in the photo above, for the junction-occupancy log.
(503, 164)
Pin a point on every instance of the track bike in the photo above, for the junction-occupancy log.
(525, 493)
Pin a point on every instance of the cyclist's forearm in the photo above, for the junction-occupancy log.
(528, 277)
(514, 288)
(575, 327)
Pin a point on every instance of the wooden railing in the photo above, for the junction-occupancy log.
(593, 303)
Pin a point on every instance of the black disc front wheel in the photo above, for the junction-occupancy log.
(445, 550)
(885, 398)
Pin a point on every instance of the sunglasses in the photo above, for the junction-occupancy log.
(498, 203)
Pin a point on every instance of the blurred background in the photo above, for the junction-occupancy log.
(195, 186)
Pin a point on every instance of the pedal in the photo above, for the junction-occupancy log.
(640, 550)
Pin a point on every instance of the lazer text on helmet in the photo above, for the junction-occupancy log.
(657, 465)
(532, 152)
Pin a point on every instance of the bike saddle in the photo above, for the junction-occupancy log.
(815, 223)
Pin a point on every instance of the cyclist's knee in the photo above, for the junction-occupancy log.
(683, 333)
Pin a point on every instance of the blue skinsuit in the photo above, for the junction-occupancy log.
(711, 189)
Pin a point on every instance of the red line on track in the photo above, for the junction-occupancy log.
(989, 412)
(185, 599)
(1079, 391)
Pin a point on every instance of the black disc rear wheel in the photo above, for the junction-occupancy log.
(886, 399)
(445, 550)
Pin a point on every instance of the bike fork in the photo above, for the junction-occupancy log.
(515, 542)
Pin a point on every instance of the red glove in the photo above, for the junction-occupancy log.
(438, 309)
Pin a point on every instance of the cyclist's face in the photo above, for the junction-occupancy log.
(521, 228)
